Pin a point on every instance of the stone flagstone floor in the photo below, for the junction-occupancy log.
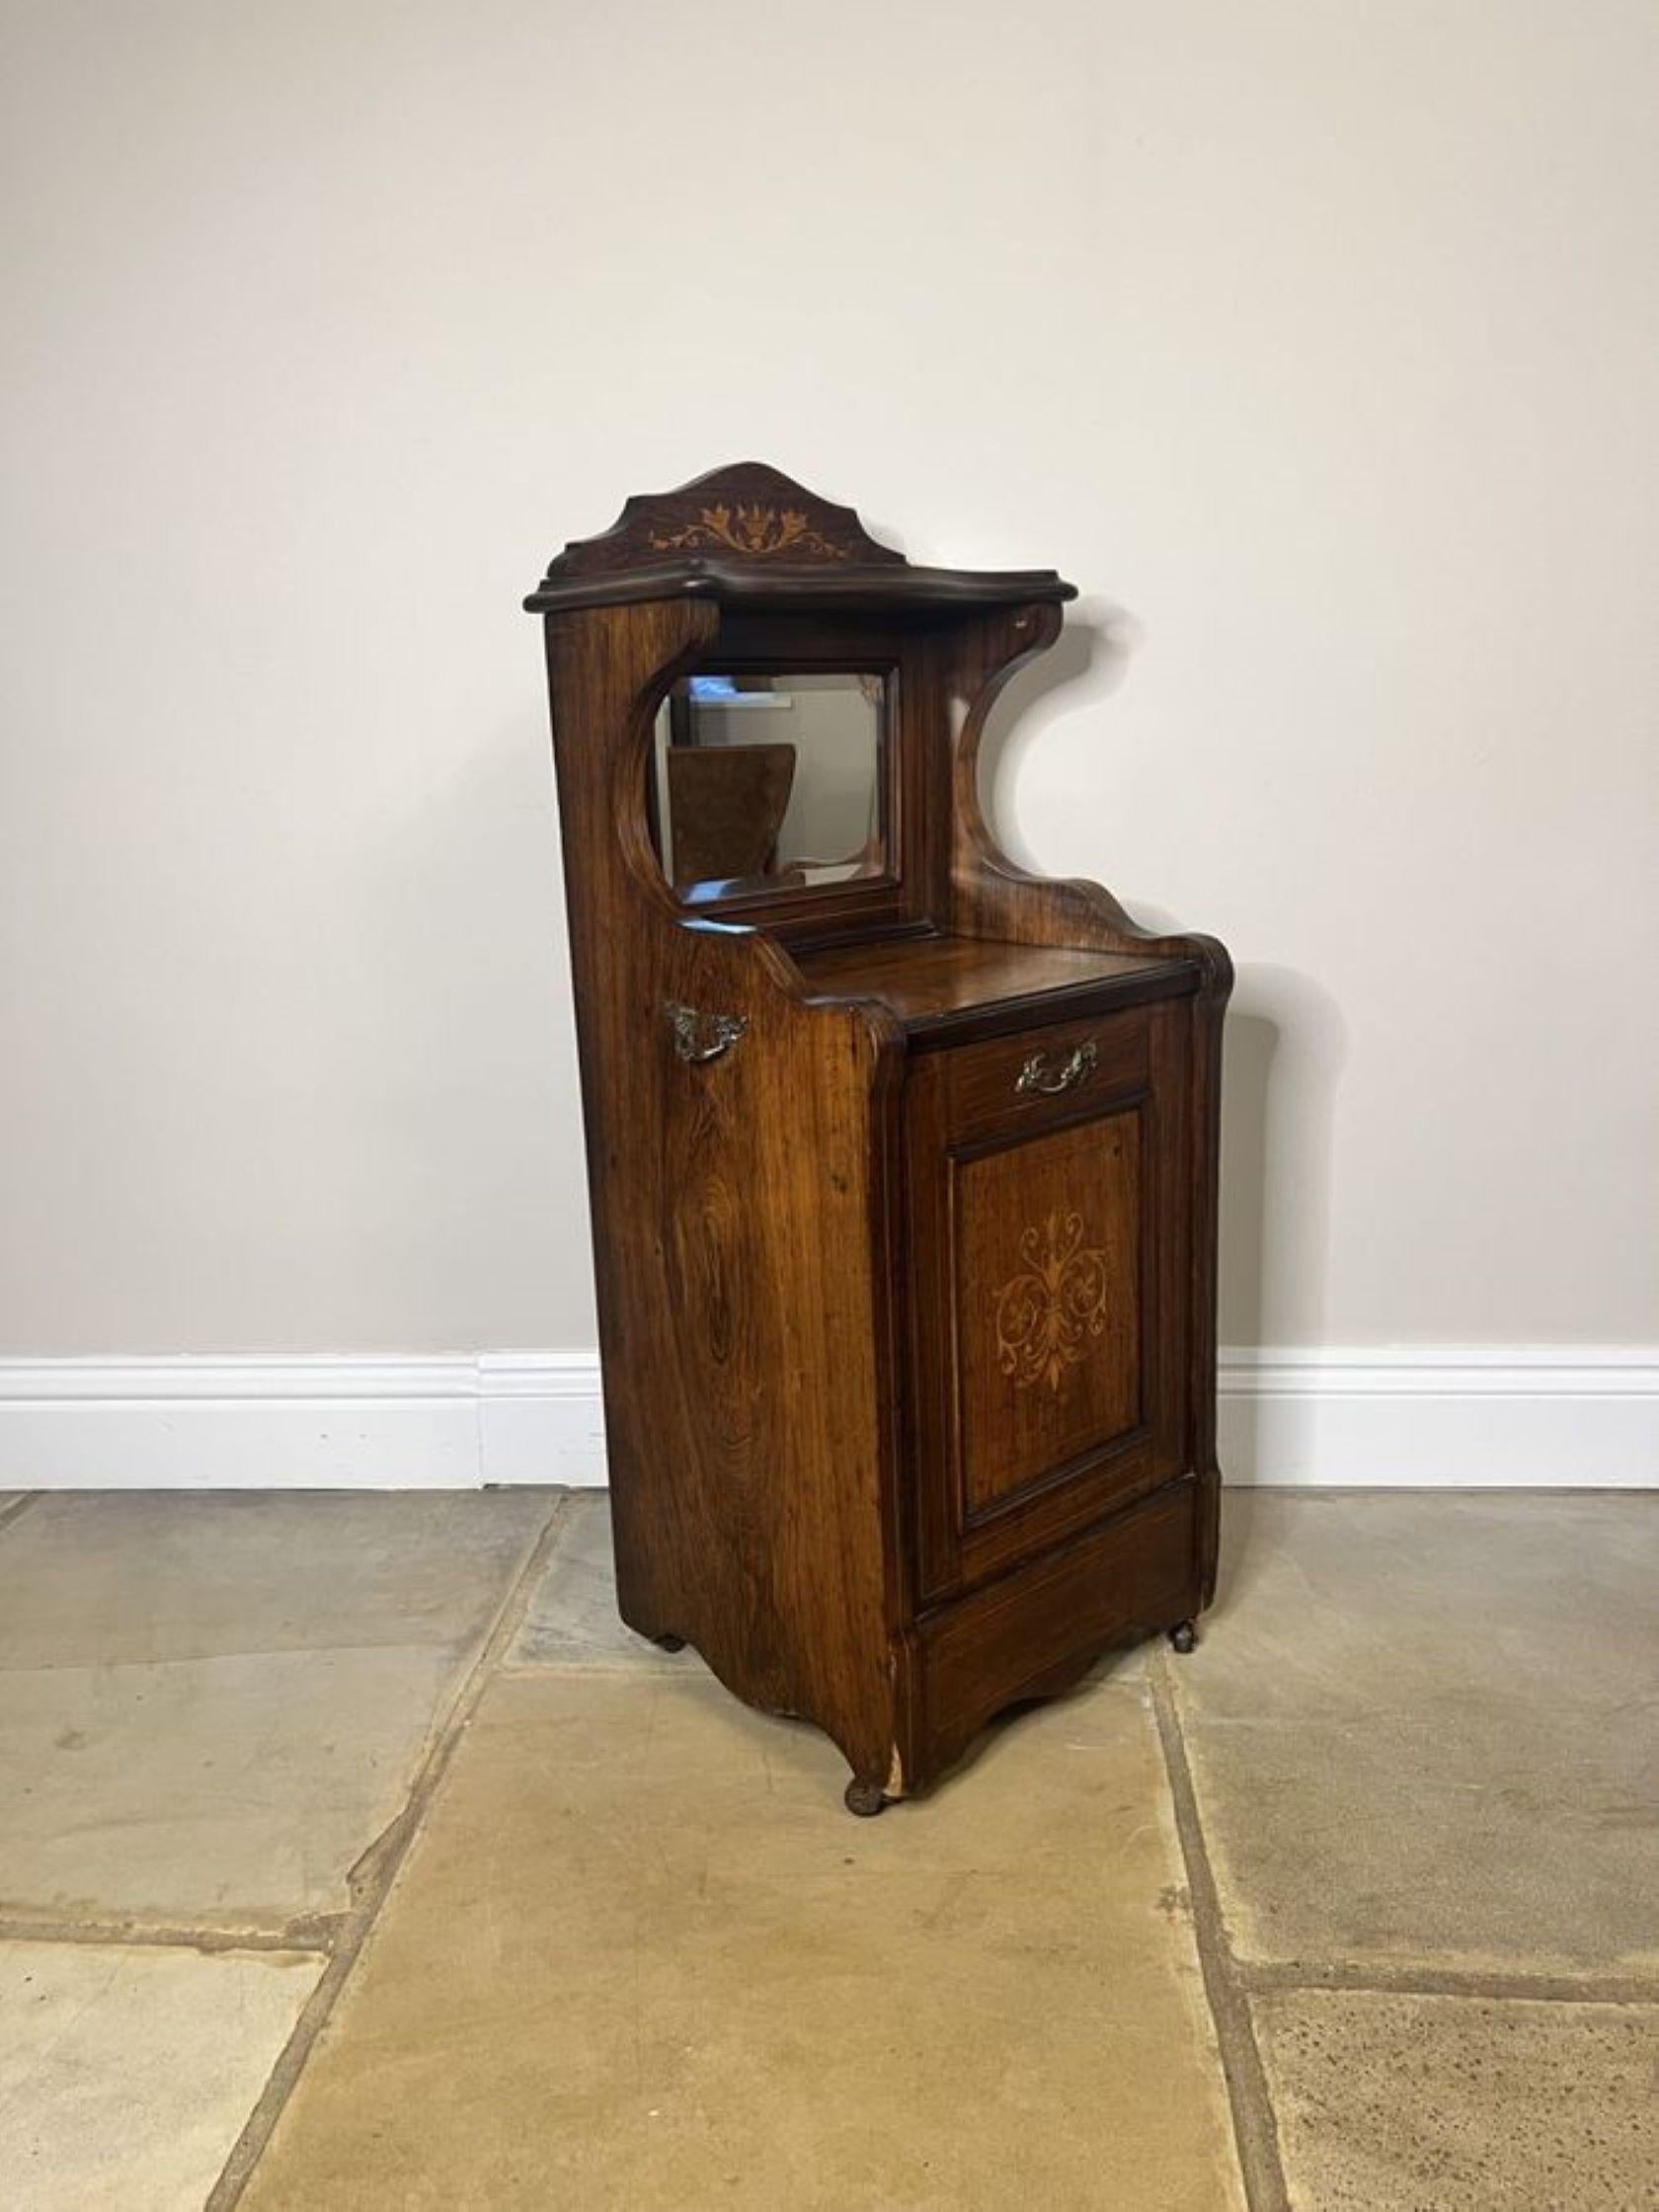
(354, 1855)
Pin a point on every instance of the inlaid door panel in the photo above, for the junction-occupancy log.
(1048, 1298)
(1048, 1256)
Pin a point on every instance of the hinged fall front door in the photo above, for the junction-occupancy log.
(1049, 1253)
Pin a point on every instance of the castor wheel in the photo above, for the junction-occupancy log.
(865, 1798)
(668, 1644)
(1183, 1637)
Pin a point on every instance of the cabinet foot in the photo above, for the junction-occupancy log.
(668, 1644)
(1183, 1635)
(865, 1798)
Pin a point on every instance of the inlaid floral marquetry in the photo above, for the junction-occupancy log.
(1048, 1314)
(748, 511)
(760, 533)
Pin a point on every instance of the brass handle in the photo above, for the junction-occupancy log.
(699, 1037)
(1075, 1068)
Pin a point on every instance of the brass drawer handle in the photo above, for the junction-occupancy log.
(1037, 1075)
(699, 1037)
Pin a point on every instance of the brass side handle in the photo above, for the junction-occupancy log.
(1040, 1073)
(699, 1037)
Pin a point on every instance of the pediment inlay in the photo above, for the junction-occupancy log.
(748, 511)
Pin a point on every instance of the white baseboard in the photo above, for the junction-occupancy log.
(1551, 1416)
(318, 1421)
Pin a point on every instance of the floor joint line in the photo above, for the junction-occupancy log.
(16, 1509)
(315, 1933)
(1263, 1977)
(377, 1869)
(1254, 2124)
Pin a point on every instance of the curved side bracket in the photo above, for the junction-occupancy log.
(990, 895)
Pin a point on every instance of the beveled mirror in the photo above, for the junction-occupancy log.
(770, 781)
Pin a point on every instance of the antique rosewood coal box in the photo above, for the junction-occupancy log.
(903, 1161)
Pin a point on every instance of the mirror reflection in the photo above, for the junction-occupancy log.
(768, 782)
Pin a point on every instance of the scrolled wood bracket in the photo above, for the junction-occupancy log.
(699, 1037)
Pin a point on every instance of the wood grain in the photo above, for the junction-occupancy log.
(816, 1173)
(1048, 1237)
(976, 1158)
(746, 535)
(952, 989)
(738, 1209)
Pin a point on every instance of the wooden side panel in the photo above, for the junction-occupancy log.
(738, 1204)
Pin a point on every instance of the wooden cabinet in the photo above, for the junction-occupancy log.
(901, 1161)
(1044, 1229)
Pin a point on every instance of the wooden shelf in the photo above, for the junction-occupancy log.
(948, 989)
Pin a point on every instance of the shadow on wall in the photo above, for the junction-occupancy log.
(1096, 647)
(1283, 1055)
(1285, 1047)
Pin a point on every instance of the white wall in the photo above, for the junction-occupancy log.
(1317, 340)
